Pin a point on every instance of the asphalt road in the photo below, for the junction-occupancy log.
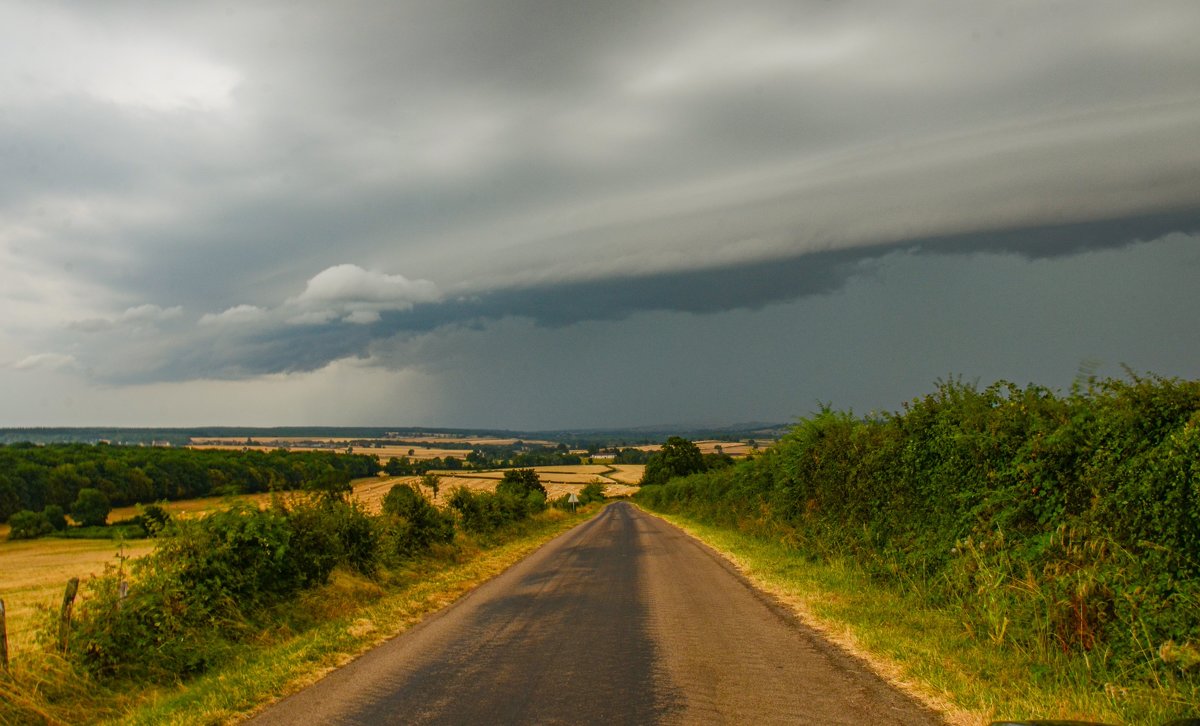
(623, 620)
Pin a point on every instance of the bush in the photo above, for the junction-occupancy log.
(355, 537)
(411, 523)
(28, 525)
(1056, 523)
(520, 483)
(485, 512)
(593, 492)
(195, 595)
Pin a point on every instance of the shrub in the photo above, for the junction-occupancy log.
(593, 492)
(28, 525)
(411, 523)
(485, 512)
(1055, 523)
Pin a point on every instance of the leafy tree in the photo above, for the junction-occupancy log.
(678, 457)
(55, 516)
(333, 483)
(154, 518)
(91, 508)
(28, 525)
(521, 483)
(432, 482)
(10, 498)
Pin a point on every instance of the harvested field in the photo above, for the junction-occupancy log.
(383, 453)
(733, 448)
(558, 480)
(626, 473)
(36, 572)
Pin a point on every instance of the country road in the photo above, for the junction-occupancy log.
(623, 620)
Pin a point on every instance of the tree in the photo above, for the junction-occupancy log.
(521, 482)
(91, 508)
(432, 482)
(332, 483)
(55, 516)
(678, 457)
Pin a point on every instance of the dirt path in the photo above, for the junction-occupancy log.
(624, 619)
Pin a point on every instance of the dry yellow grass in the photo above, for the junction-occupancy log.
(558, 480)
(733, 448)
(276, 441)
(383, 453)
(626, 473)
(35, 572)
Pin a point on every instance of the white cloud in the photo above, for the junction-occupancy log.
(114, 64)
(135, 317)
(149, 314)
(357, 295)
(237, 315)
(351, 283)
(47, 361)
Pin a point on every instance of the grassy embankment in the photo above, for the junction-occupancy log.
(301, 639)
(927, 652)
(1009, 552)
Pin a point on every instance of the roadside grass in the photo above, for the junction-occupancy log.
(930, 653)
(329, 626)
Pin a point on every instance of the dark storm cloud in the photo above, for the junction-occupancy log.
(550, 162)
(298, 348)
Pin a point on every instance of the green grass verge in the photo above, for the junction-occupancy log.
(931, 653)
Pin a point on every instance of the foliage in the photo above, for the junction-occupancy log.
(521, 482)
(28, 525)
(199, 591)
(32, 477)
(1054, 523)
(485, 512)
(592, 492)
(55, 516)
(154, 518)
(412, 524)
(678, 457)
(432, 482)
(91, 508)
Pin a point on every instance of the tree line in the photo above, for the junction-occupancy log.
(33, 477)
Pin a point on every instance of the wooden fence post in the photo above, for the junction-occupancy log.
(3, 639)
(64, 625)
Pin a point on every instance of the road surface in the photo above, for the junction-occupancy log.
(622, 620)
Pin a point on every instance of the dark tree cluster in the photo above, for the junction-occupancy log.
(34, 477)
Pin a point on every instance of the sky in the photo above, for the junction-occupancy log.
(539, 215)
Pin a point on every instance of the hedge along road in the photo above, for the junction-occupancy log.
(623, 619)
